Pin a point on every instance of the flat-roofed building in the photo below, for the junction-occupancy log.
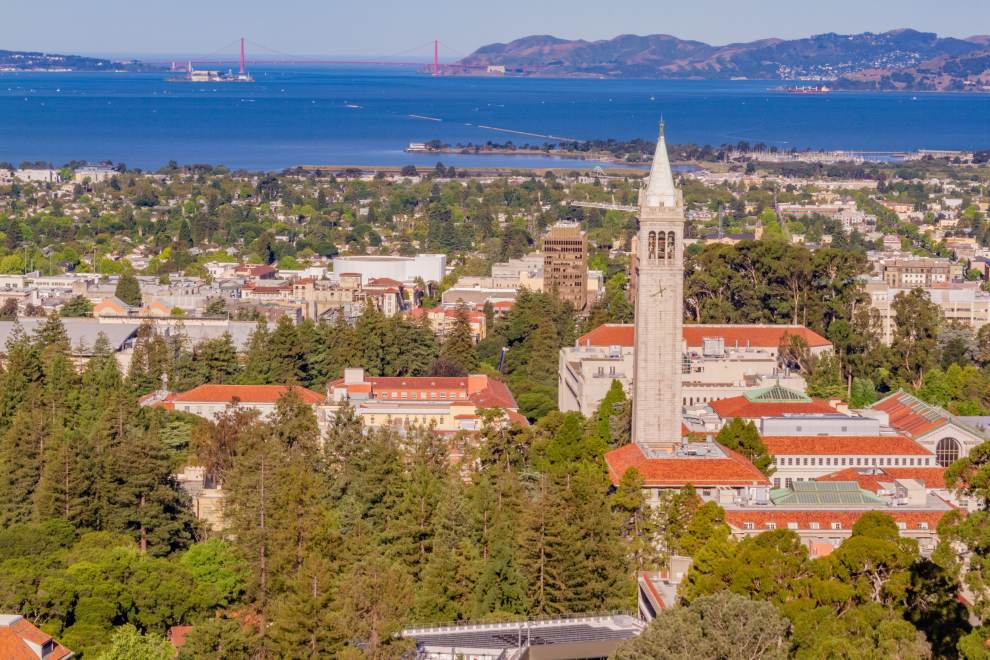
(959, 302)
(915, 272)
(718, 361)
(565, 263)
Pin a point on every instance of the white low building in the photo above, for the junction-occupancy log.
(720, 361)
(428, 267)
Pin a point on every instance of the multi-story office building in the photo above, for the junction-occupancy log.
(565, 263)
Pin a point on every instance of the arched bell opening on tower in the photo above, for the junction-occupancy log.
(670, 245)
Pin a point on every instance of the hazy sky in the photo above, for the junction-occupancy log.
(389, 27)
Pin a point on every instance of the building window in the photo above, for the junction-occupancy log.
(947, 451)
(788, 482)
(923, 525)
(771, 525)
(653, 245)
(836, 525)
(814, 525)
(749, 525)
(670, 245)
(792, 525)
(901, 525)
(776, 482)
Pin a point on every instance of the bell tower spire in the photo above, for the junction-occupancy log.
(657, 404)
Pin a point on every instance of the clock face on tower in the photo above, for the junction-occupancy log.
(658, 292)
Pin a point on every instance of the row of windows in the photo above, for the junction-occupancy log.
(851, 461)
(816, 525)
(422, 395)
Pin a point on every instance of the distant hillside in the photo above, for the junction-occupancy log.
(820, 57)
(969, 72)
(14, 60)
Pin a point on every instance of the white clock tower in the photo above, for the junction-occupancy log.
(659, 310)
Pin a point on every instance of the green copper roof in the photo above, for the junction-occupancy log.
(776, 394)
(823, 493)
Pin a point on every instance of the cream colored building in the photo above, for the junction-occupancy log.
(718, 361)
(447, 404)
(963, 302)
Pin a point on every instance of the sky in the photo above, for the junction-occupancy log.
(372, 27)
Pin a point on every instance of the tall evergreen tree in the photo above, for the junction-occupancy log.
(258, 358)
(458, 347)
(128, 290)
(145, 500)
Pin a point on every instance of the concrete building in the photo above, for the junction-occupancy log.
(428, 267)
(40, 175)
(910, 273)
(565, 263)
(93, 174)
(960, 302)
(718, 361)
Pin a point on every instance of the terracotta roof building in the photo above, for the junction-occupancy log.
(695, 336)
(719, 362)
(716, 472)
(22, 640)
(449, 404)
(823, 513)
(772, 401)
(877, 479)
(799, 458)
(210, 400)
(940, 432)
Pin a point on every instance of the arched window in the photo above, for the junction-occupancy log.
(661, 248)
(653, 245)
(947, 451)
(670, 245)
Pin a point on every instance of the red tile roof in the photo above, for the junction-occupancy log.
(766, 336)
(384, 281)
(496, 395)
(911, 416)
(493, 393)
(14, 639)
(870, 478)
(759, 517)
(849, 445)
(675, 472)
(213, 393)
(740, 406)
